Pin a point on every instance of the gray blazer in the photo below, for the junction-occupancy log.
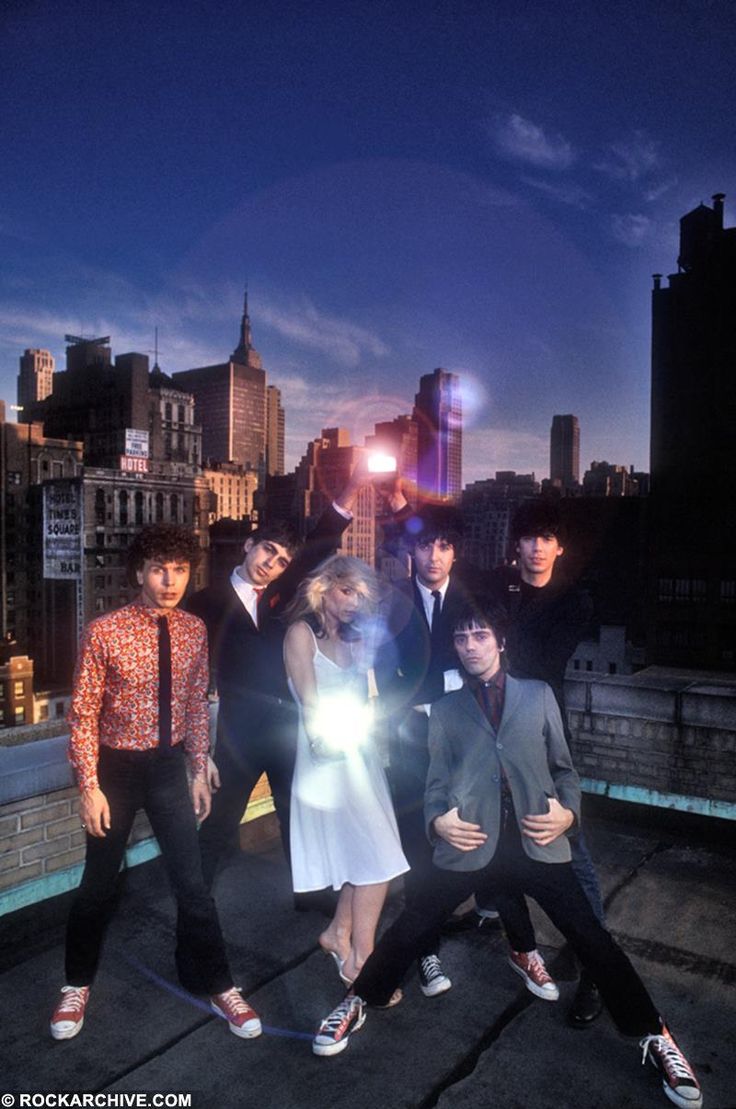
(466, 756)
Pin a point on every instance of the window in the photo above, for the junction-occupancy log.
(159, 507)
(57, 469)
(167, 412)
(18, 689)
(43, 712)
(59, 709)
(612, 668)
(182, 415)
(20, 714)
(728, 592)
(174, 509)
(139, 507)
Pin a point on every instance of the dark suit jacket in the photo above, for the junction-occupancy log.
(410, 667)
(466, 757)
(246, 661)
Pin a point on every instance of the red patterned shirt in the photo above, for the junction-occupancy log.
(115, 699)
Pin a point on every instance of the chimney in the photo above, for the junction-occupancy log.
(657, 278)
(718, 199)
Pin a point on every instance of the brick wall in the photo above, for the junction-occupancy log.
(42, 835)
(660, 731)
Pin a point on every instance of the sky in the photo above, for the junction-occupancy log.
(482, 186)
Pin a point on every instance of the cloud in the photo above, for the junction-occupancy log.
(655, 191)
(345, 342)
(630, 160)
(486, 450)
(564, 193)
(631, 230)
(523, 141)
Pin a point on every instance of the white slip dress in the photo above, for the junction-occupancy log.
(343, 827)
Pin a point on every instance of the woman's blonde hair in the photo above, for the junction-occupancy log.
(336, 570)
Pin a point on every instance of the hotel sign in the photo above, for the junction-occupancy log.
(131, 464)
(62, 530)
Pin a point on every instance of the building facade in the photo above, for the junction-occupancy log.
(564, 451)
(35, 380)
(438, 413)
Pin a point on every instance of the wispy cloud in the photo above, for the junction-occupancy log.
(655, 191)
(486, 450)
(302, 323)
(630, 229)
(523, 141)
(565, 193)
(630, 159)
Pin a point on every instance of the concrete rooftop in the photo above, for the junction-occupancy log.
(670, 884)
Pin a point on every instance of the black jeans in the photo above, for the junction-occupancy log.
(558, 892)
(242, 754)
(156, 782)
(409, 758)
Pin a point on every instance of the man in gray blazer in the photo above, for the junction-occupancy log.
(502, 798)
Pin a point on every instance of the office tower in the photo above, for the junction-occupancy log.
(275, 432)
(438, 413)
(564, 451)
(230, 403)
(693, 463)
(35, 380)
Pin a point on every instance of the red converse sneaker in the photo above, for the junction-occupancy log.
(68, 1015)
(530, 966)
(241, 1019)
(678, 1081)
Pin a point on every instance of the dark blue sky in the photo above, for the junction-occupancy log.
(484, 187)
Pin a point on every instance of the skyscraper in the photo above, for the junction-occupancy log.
(692, 611)
(35, 380)
(230, 403)
(564, 451)
(275, 431)
(438, 412)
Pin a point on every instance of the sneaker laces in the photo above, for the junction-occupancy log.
(338, 1017)
(431, 966)
(674, 1062)
(536, 963)
(74, 998)
(233, 1001)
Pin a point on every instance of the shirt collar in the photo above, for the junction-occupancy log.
(426, 592)
(153, 614)
(498, 681)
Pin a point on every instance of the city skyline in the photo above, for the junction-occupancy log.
(487, 192)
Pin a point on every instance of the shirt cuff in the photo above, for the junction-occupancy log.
(344, 512)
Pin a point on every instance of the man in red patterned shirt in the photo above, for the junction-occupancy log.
(139, 740)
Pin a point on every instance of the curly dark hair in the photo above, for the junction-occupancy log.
(168, 542)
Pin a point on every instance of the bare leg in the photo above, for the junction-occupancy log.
(337, 936)
(366, 909)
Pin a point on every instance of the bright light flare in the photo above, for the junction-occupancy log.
(381, 463)
(341, 724)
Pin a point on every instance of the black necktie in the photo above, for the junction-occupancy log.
(164, 684)
(434, 627)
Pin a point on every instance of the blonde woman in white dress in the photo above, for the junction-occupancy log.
(343, 828)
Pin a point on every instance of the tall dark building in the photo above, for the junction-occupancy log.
(564, 451)
(438, 413)
(692, 599)
(230, 403)
(275, 432)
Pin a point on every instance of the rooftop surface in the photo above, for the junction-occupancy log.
(670, 886)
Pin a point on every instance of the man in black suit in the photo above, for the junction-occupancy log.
(256, 726)
(415, 668)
